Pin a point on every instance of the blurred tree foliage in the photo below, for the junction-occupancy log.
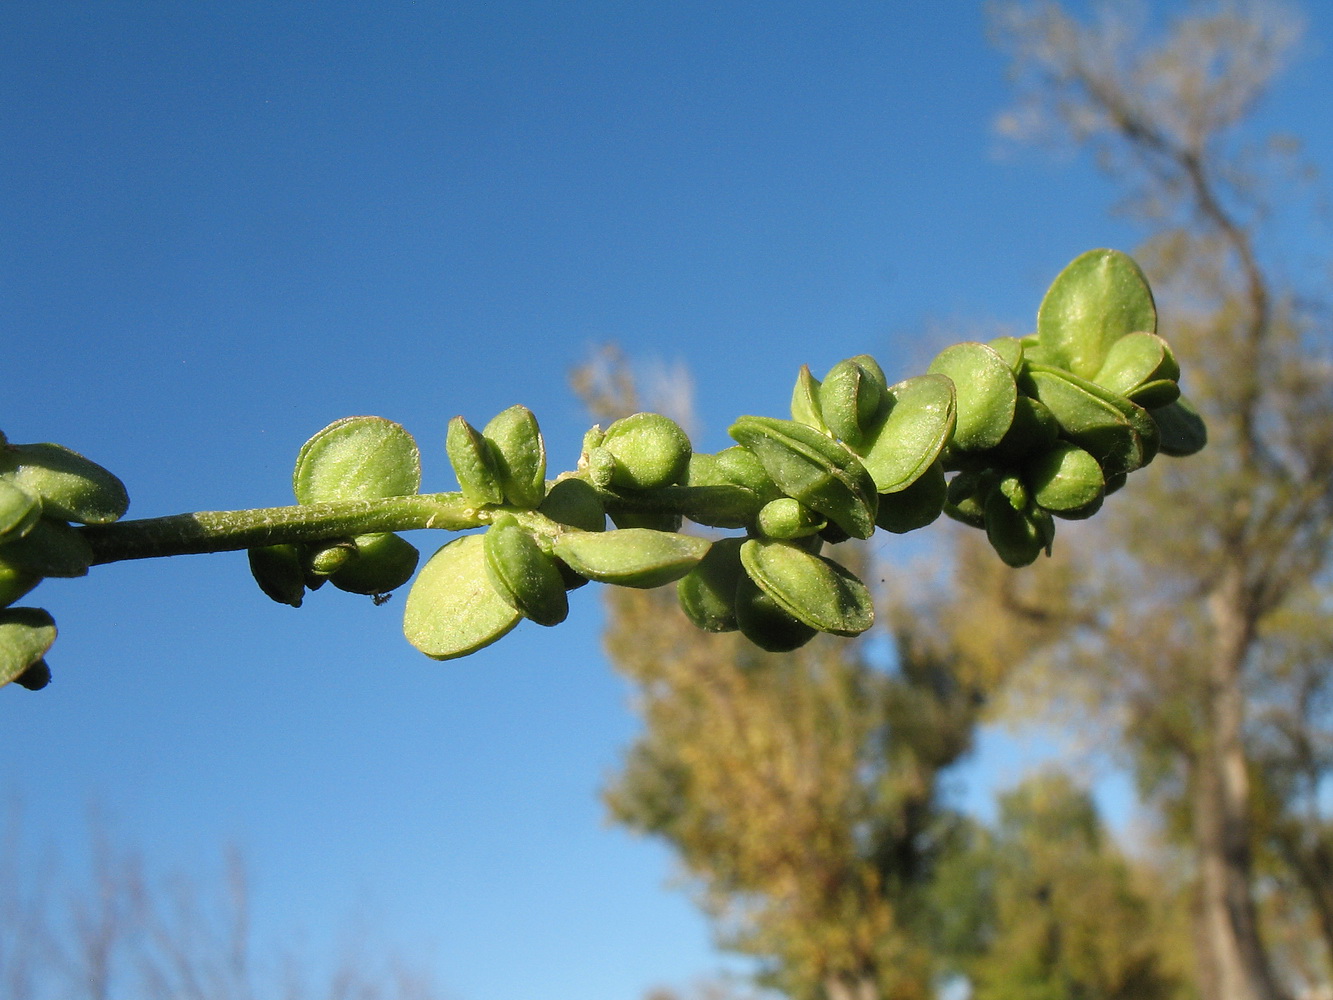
(1202, 622)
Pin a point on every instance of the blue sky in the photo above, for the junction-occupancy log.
(226, 225)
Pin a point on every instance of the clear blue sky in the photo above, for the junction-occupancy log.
(225, 225)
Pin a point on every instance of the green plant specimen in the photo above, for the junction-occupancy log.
(1005, 436)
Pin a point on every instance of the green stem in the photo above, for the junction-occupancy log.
(229, 530)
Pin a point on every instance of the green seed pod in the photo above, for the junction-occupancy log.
(574, 503)
(812, 589)
(280, 572)
(1135, 360)
(805, 401)
(71, 488)
(919, 423)
(601, 466)
(1034, 430)
(357, 458)
(25, 636)
(1095, 301)
(816, 470)
(452, 609)
(1014, 490)
(19, 510)
(1065, 479)
(475, 464)
(322, 560)
(707, 593)
(35, 677)
(656, 520)
(15, 581)
(50, 548)
(1017, 536)
(520, 453)
(850, 399)
(383, 563)
(916, 506)
(525, 577)
(787, 518)
(1151, 395)
(630, 557)
(721, 506)
(1011, 350)
(872, 369)
(1088, 420)
(741, 466)
(1181, 428)
(763, 621)
(650, 450)
(986, 394)
(1147, 436)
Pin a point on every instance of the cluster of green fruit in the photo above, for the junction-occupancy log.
(1005, 436)
(1029, 430)
(44, 490)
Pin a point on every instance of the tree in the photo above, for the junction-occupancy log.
(801, 791)
(125, 930)
(1188, 624)
(1063, 918)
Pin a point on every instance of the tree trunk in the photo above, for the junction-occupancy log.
(845, 987)
(1232, 950)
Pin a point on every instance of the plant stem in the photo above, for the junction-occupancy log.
(229, 530)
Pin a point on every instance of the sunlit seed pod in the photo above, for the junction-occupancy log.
(630, 557)
(453, 609)
(71, 487)
(51, 548)
(357, 458)
(872, 369)
(1096, 300)
(919, 421)
(763, 621)
(1033, 352)
(722, 506)
(15, 581)
(520, 452)
(475, 464)
(26, 635)
(575, 503)
(805, 401)
(986, 394)
(1010, 349)
(707, 593)
(19, 510)
(1181, 428)
(741, 466)
(280, 572)
(818, 471)
(788, 518)
(651, 451)
(1014, 490)
(915, 507)
(327, 558)
(525, 577)
(1017, 537)
(1065, 479)
(1135, 360)
(601, 467)
(383, 563)
(812, 589)
(850, 399)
